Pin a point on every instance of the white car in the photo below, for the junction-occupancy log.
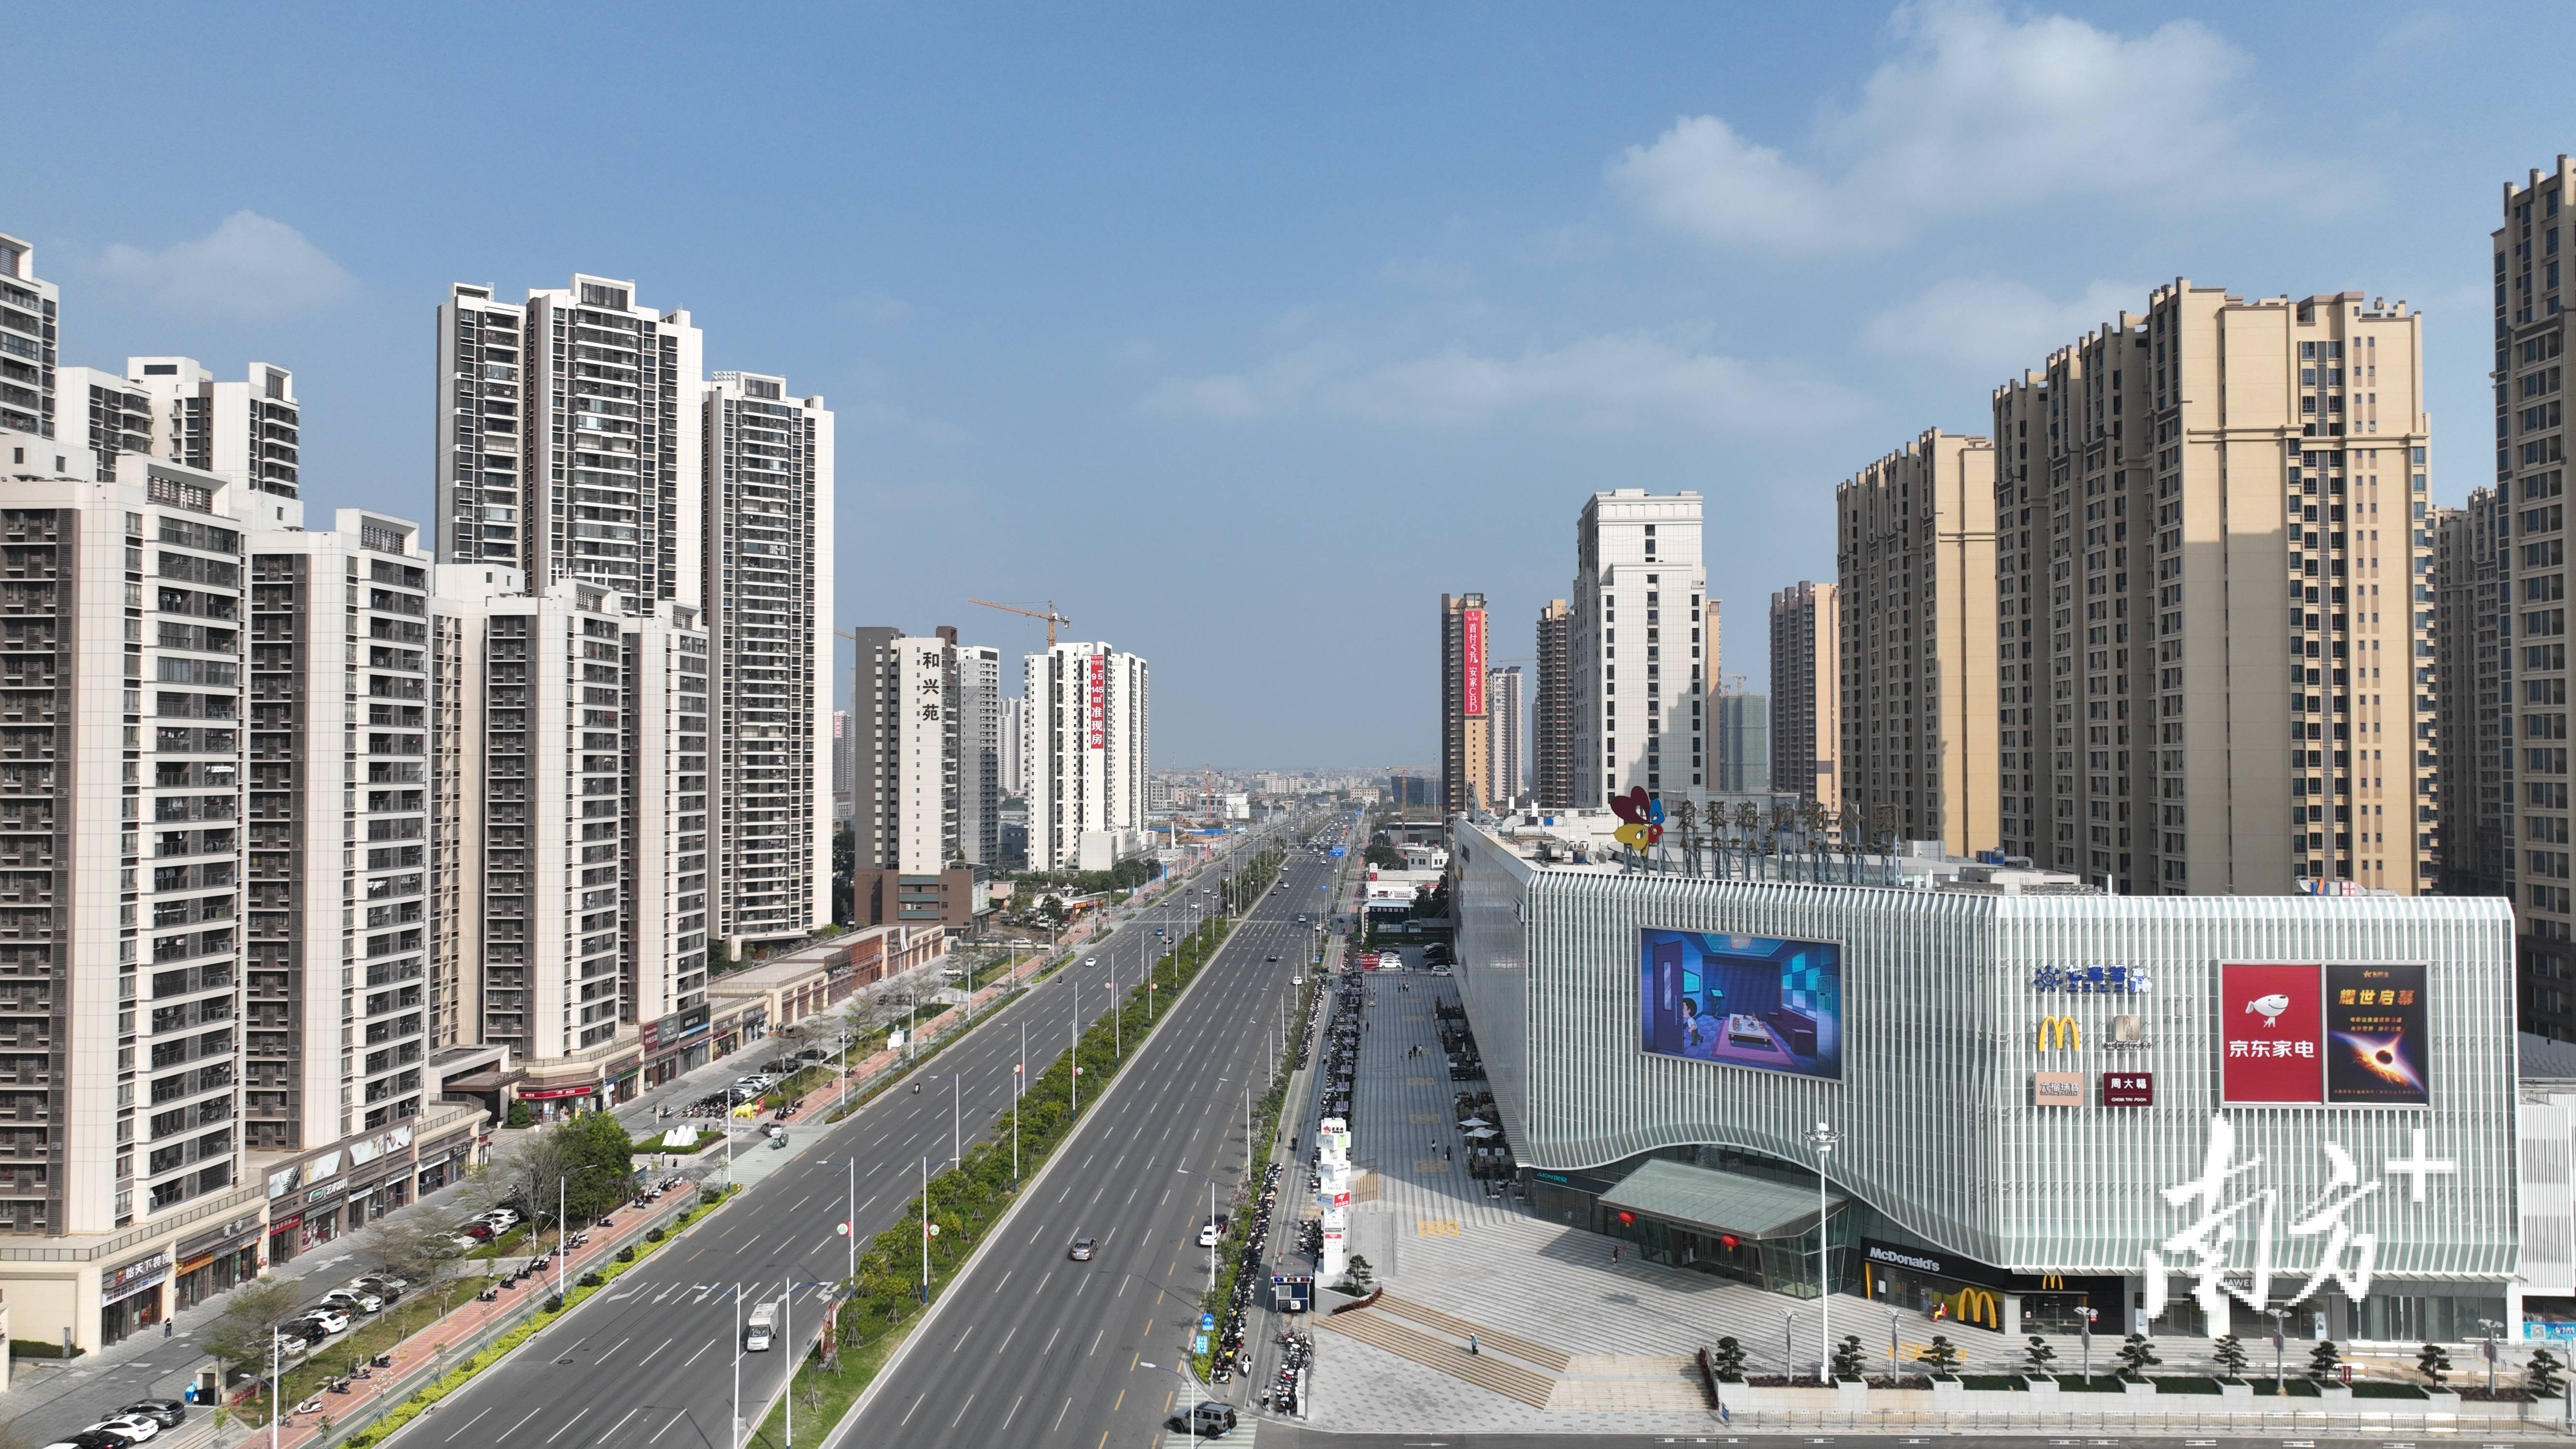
(1208, 1234)
(132, 1428)
(359, 1299)
(460, 1242)
(329, 1320)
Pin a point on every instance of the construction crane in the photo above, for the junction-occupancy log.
(1051, 616)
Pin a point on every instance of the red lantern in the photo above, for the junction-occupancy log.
(1729, 1241)
(1627, 1219)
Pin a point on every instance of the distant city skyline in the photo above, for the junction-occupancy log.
(1508, 255)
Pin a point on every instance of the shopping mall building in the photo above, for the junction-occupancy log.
(2043, 1100)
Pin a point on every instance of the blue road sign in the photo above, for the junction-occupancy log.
(1207, 1323)
(1337, 852)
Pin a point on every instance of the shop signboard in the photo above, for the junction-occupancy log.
(2057, 1089)
(2128, 1089)
(548, 1094)
(133, 1278)
(1742, 1001)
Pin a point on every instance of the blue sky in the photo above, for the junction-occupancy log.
(1242, 334)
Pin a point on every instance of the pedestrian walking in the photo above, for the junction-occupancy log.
(1614, 1251)
(1472, 1347)
(169, 1326)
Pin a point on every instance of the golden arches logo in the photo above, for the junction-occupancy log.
(2062, 1033)
(1976, 1306)
(2049, 1282)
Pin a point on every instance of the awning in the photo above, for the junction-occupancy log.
(1720, 1202)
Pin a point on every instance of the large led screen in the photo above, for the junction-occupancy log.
(2375, 1036)
(1743, 1001)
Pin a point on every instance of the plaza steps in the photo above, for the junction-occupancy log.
(1554, 1360)
(1614, 1383)
(1485, 1371)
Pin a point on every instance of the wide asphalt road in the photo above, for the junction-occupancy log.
(652, 1361)
(1031, 1348)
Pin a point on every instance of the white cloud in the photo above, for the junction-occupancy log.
(1994, 324)
(248, 266)
(1611, 381)
(1977, 113)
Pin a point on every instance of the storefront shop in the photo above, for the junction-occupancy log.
(442, 1163)
(282, 1236)
(212, 1262)
(130, 1297)
(674, 1045)
(1960, 1290)
(322, 1220)
(551, 1103)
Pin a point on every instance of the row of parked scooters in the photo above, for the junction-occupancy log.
(1230, 1356)
(1296, 1361)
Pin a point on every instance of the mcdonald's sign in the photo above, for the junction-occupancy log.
(2060, 1033)
(2051, 1282)
(1975, 1307)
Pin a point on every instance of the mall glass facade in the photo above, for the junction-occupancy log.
(2017, 1080)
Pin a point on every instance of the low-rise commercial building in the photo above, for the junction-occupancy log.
(2173, 1113)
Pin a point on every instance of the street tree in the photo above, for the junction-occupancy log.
(2137, 1356)
(1727, 1359)
(1849, 1358)
(2036, 1358)
(2228, 1354)
(2541, 1375)
(2434, 1362)
(1942, 1355)
(253, 1313)
(2324, 1363)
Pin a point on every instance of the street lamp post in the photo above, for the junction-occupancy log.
(2490, 1325)
(1788, 1344)
(2280, 1323)
(737, 1369)
(1823, 1137)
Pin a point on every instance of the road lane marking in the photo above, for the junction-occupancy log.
(657, 1348)
(961, 1339)
(915, 1409)
(1060, 1413)
(1051, 1338)
(961, 1411)
(468, 1424)
(667, 1428)
(1006, 1278)
(693, 1358)
(514, 1428)
(1095, 1343)
(620, 1424)
(1015, 1410)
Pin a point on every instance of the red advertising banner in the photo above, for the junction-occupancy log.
(2270, 1021)
(1471, 651)
(1099, 683)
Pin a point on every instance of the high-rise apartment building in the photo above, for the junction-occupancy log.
(1916, 600)
(249, 431)
(1466, 732)
(569, 438)
(768, 557)
(1506, 710)
(339, 998)
(928, 801)
(979, 754)
(1744, 744)
(103, 413)
(1090, 708)
(1637, 573)
(845, 766)
(2531, 251)
(1552, 722)
(2470, 608)
(27, 361)
(1806, 693)
(2170, 485)
(120, 834)
(1014, 725)
(584, 827)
